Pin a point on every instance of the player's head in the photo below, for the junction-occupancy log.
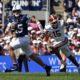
(53, 19)
(16, 10)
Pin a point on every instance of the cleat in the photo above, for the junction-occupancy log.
(48, 68)
(63, 66)
(12, 69)
(63, 69)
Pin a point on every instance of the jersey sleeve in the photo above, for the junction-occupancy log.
(48, 28)
(9, 19)
(26, 18)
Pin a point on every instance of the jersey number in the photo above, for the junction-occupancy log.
(57, 33)
(19, 28)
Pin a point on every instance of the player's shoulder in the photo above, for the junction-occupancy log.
(24, 16)
(61, 22)
(10, 18)
(47, 26)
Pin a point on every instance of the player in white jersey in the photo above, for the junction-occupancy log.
(56, 28)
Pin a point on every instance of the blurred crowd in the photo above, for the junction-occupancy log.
(72, 23)
(40, 41)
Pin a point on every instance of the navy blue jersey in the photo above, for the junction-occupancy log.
(69, 5)
(20, 24)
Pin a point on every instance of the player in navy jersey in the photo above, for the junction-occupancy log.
(17, 27)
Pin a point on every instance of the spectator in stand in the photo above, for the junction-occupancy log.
(74, 15)
(1, 5)
(70, 22)
(52, 3)
(35, 24)
(78, 37)
(46, 48)
(1, 43)
(76, 50)
(68, 6)
(78, 8)
(0, 19)
(34, 47)
(33, 35)
(78, 24)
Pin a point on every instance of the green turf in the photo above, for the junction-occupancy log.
(39, 76)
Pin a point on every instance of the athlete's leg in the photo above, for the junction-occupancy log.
(14, 44)
(63, 64)
(65, 49)
(40, 62)
(27, 49)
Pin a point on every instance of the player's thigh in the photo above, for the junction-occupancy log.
(24, 41)
(27, 50)
(26, 46)
(18, 52)
(65, 49)
(19, 42)
(15, 43)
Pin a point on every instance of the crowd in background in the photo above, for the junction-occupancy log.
(40, 42)
(72, 20)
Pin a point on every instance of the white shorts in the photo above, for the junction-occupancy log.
(57, 44)
(63, 46)
(23, 43)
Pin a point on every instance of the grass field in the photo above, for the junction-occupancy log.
(39, 76)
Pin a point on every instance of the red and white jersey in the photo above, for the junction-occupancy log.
(56, 30)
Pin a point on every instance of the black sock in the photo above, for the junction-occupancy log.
(15, 64)
(73, 60)
(57, 53)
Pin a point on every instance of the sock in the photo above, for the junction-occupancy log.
(63, 62)
(57, 53)
(73, 60)
(14, 64)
